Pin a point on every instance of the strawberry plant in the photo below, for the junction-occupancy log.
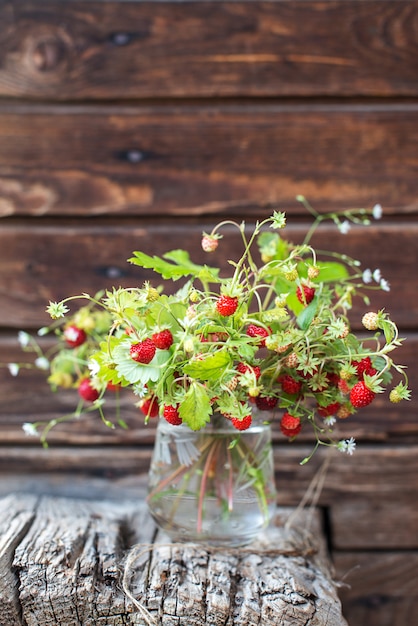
(275, 333)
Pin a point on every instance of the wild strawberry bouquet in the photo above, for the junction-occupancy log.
(274, 334)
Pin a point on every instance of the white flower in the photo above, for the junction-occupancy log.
(347, 445)
(140, 390)
(94, 367)
(43, 331)
(23, 338)
(42, 363)
(344, 227)
(330, 420)
(384, 284)
(377, 275)
(13, 368)
(30, 429)
(377, 211)
(367, 276)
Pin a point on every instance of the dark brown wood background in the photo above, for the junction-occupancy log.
(136, 125)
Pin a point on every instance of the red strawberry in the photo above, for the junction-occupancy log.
(143, 352)
(171, 414)
(87, 391)
(289, 384)
(112, 387)
(305, 294)
(243, 368)
(330, 409)
(290, 425)
(266, 403)
(150, 406)
(209, 242)
(364, 367)
(360, 395)
(227, 305)
(258, 331)
(163, 339)
(243, 424)
(74, 336)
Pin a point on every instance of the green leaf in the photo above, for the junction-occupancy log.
(195, 409)
(331, 271)
(210, 368)
(304, 319)
(158, 265)
(181, 265)
(135, 372)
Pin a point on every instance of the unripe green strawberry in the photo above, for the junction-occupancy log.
(74, 336)
(370, 321)
(163, 339)
(394, 396)
(87, 391)
(227, 305)
(290, 425)
(360, 395)
(171, 415)
(151, 293)
(143, 351)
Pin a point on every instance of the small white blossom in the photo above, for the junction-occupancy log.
(367, 276)
(377, 275)
(30, 429)
(42, 363)
(140, 390)
(330, 420)
(384, 284)
(23, 338)
(377, 211)
(347, 445)
(344, 227)
(13, 369)
(43, 331)
(94, 367)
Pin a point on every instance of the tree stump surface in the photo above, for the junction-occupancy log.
(75, 562)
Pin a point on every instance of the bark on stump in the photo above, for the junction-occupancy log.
(63, 560)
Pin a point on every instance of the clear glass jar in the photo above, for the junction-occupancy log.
(215, 485)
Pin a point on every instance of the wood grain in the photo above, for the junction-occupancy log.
(45, 261)
(194, 160)
(367, 524)
(374, 471)
(380, 588)
(69, 564)
(102, 50)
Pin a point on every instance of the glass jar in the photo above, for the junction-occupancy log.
(215, 485)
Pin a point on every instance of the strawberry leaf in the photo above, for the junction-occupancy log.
(304, 319)
(210, 368)
(135, 372)
(195, 409)
(181, 265)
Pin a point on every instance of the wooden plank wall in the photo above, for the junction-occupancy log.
(136, 125)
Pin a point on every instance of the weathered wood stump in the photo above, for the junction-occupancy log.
(78, 562)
